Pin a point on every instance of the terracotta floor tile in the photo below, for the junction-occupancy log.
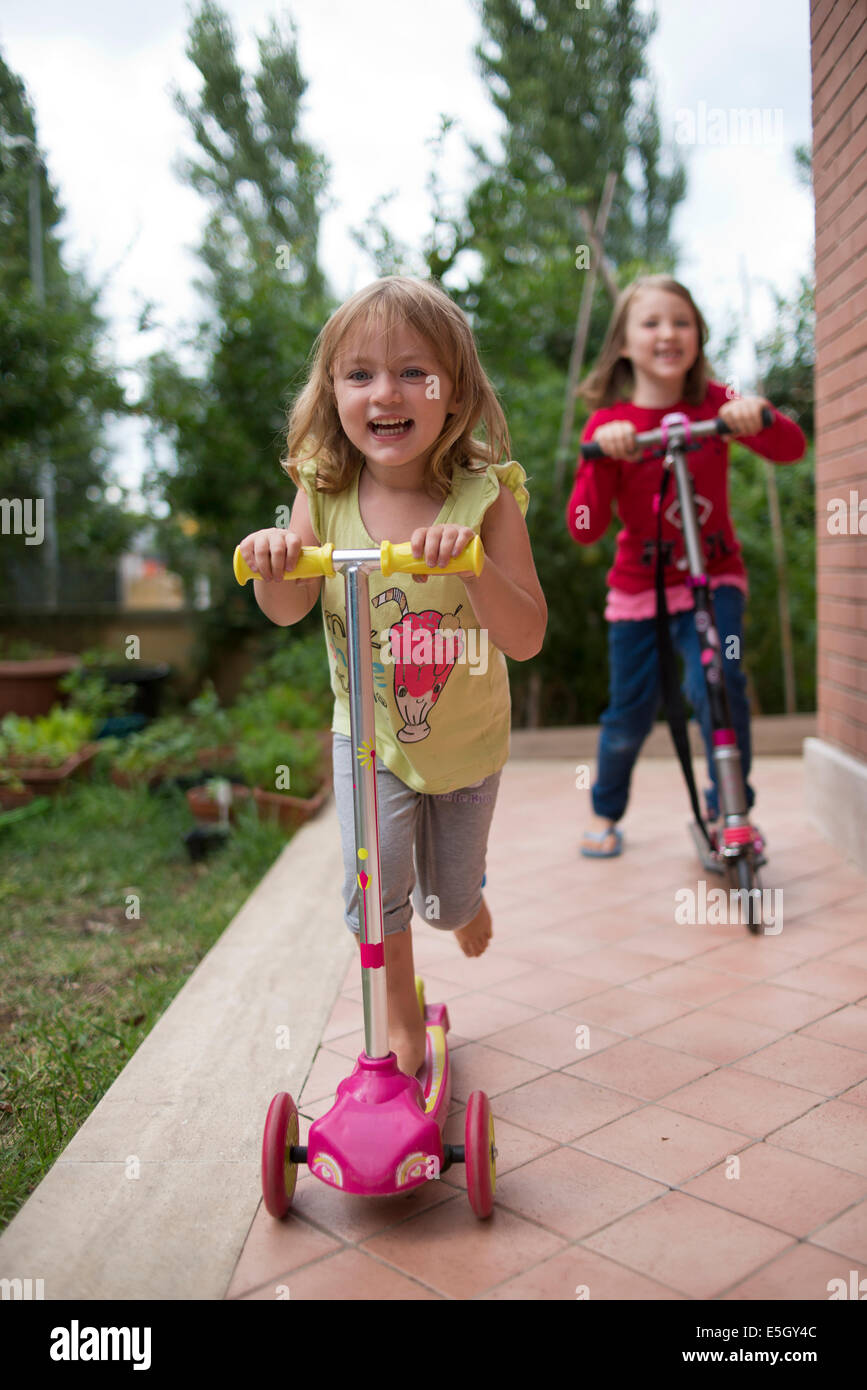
(714, 1037)
(273, 1248)
(781, 1189)
(573, 1193)
(676, 943)
(756, 958)
(736, 1099)
(453, 1252)
(801, 1273)
(479, 972)
(822, 892)
(328, 1069)
(802, 938)
(626, 1010)
(834, 980)
(515, 1147)
(846, 1027)
(351, 1218)
(482, 1068)
(547, 948)
(662, 1144)
(692, 984)
(847, 1235)
(617, 965)
(722, 1247)
(595, 926)
(773, 1006)
(540, 989)
(799, 861)
(476, 1016)
(578, 1273)
(350, 1275)
(640, 1069)
(561, 1107)
(807, 1062)
(857, 1095)
(853, 954)
(346, 1017)
(551, 1040)
(833, 1130)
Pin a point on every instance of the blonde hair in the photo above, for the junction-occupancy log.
(612, 379)
(314, 429)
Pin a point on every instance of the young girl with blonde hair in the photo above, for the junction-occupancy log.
(382, 446)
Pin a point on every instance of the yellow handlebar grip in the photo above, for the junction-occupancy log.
(399, 559)
(314, 561)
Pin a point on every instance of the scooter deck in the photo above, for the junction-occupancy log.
(383, 1134)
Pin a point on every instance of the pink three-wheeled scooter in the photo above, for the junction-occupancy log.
(383, 1134)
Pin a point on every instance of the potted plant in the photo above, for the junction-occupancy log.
(13, 792)
(288, 773)
(30, 676)
(178, 746)
(45, 751)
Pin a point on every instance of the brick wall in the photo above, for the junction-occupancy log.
(839, 60)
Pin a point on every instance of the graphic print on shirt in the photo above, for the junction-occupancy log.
(337, 646)
(424, 648)
(703, 509)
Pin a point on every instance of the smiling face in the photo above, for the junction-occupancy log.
(393, 396)
(662, 342)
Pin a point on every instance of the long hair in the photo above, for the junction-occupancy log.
(314, 429)
(612, 379)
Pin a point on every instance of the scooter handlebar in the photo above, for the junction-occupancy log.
(317, 560)
(699, 430)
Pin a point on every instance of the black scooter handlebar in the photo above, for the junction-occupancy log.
(699, 429)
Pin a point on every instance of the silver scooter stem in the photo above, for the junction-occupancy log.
(362, 720)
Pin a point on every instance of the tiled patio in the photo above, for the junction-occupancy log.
(681, 1111)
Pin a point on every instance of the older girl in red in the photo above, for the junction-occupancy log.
(652, 362)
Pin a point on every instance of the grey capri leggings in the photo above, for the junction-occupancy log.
(432, 847)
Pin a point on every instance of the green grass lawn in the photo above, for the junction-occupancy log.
(82, 979)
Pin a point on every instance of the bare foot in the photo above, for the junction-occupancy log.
(408, 1045)
(475, 937)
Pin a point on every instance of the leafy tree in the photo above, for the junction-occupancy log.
(265, 301)
(58, 385)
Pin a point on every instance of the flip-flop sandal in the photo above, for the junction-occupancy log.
(600, 837)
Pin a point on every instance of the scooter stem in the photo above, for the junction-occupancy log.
(362, 720)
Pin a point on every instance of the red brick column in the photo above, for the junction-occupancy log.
(837, 760)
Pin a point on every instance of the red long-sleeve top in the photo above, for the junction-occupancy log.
(602, 483)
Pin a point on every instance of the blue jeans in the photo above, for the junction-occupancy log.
(635, 697)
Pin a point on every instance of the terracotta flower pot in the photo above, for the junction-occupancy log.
(30, 688)
(205, 808)
(10, 800)
(289, 811)
(48, 780)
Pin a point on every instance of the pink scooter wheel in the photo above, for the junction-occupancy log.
(279, 1173)
(480, 1154)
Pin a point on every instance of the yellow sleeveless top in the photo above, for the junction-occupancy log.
(443, 711)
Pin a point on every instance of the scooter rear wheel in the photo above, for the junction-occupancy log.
(279, 1173)
(480, 1154)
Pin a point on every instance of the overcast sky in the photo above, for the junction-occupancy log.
(99, 73)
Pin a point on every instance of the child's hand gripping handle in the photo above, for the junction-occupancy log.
(653, 438)
(315, 560)
(399, 559)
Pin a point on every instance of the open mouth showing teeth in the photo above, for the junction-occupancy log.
(391, 428)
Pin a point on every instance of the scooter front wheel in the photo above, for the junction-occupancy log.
(279, 1173)
(749, 888)
(480, 1154)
